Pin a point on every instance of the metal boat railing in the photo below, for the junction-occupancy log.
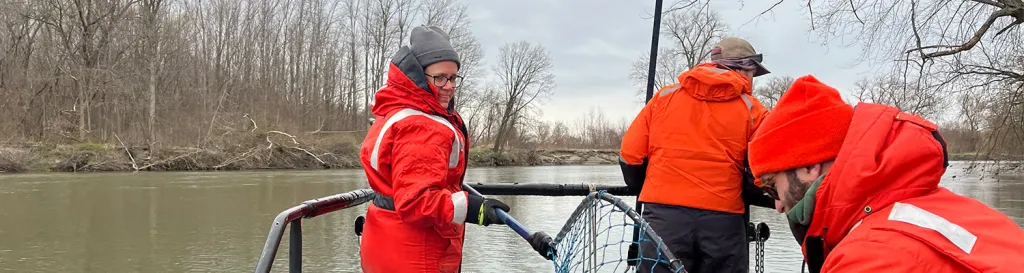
(312, 208)
(293, 217)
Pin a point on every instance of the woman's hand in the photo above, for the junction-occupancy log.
(482, 212)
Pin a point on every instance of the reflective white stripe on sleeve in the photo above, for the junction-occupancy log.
(453, 157)
(461, 204)
(914, 215)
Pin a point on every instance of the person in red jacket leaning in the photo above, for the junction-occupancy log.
(860, 188)
(415, 157)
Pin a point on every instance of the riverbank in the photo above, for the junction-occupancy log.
(271, 151)
(268, 151)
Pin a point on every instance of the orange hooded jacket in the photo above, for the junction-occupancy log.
(692, 136)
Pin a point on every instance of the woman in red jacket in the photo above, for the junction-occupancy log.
(861, 190)
(415, 157)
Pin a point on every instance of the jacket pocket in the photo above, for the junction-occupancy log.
(448, 231)
(451, 259)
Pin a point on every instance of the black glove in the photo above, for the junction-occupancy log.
(753, 195)
(481, 211)
(541, 242)
(634, 175)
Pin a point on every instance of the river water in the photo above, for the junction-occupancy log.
(218, 221)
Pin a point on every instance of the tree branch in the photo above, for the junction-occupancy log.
(296, 147)
(971, 42)
(810, 10)
(235, 159)
(854, 9)
(987, 2)
(134, 165)
(675, 7)
(195, 151)
(1011, 25)
(770, 9)
(253, 122)
(913, 22)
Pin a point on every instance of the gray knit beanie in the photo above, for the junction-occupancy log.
(431, 44)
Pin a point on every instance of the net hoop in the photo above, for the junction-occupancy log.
(583, 209)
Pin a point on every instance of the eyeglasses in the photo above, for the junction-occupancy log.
(440, 81)
(758, 58)
(769, 187)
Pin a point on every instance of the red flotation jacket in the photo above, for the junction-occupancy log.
(414, 156)
(881, 209)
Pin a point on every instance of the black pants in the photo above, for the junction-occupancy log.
(705, 241)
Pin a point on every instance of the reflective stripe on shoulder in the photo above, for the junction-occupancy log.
(669, 89)
(453, 157)
(750, 107)
(914, 215)
(746, 100)
(714, 69)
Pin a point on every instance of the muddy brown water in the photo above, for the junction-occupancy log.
(218, 221)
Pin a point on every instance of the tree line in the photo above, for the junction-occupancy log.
(185, 72)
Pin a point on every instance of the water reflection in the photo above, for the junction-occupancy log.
(217, 222)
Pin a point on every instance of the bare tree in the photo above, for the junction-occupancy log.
(524, 71)
(931, 28)
(151, 11)
(351, 93)
(693, 34)
(594, 130)
(484, 112)
(666, 72)
(949, 52)
(770, 93)
(453, 17)
(891, 90)
(561, 135)
(539, 133)
(689, 35)
(19, 53)
(383, 26)
(217, 74)
(590, 130)
(1006, 124)
(966, 132)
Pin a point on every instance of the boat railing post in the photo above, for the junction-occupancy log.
(295, 247)
(293, 217)
(632, 254)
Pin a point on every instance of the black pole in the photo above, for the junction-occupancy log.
(634, 247)
(295, 247)
(543, 189)
(654, 51)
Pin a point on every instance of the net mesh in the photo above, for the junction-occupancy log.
(597, 237)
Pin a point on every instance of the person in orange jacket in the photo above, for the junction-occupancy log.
(415, 157)
(860, 188)
(685, 153)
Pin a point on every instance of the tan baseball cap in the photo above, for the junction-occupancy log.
(736, 48)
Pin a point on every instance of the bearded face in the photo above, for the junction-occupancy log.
(796, 189)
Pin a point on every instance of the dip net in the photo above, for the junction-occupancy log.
(598, 235)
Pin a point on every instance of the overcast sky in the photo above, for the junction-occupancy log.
(593, 44)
